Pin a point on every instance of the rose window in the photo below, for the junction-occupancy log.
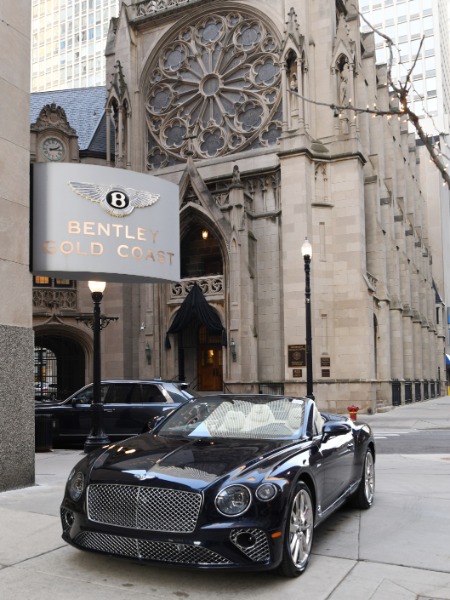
(215, 89)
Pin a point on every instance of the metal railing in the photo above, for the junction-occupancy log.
(396, 393)
(417, 391)
(408, 392)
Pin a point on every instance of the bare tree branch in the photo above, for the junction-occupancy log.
(402, 92)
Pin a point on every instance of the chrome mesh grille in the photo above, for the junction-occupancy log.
(149, 550)
(153, 509)
(259, 551)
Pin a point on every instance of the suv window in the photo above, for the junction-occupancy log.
(151, 393)
(86, 395)
(119, 393)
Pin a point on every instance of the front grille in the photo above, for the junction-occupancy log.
(259, 550)
(183, 554)
(153, 509)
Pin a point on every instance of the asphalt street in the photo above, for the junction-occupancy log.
(397, 550)
(407, 441)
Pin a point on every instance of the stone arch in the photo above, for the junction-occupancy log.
(202, 254)
(72, 349)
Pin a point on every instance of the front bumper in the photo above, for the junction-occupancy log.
(221, 546)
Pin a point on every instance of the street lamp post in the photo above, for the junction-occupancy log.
(97, 437)
(307, 254)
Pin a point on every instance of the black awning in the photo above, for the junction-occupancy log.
(195, 309)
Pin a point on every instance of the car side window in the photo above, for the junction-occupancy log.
(85, 396)
(151, 393)
(119, 393)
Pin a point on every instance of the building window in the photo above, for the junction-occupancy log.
(214, 89)
(54, 282)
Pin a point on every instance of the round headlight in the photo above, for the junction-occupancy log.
(233, 500)
(266, 492)
(76, 485)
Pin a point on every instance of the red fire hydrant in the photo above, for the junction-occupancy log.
(353, 411)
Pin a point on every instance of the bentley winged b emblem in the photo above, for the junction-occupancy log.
(115, 200)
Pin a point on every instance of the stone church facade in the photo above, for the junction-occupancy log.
(233, 101)
(249, 106)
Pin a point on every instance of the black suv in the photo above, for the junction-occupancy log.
(129, 407)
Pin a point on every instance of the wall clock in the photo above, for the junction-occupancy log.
(53, 149)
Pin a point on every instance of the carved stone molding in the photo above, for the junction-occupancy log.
(53, 116)
(54, 299)
(154, 7)
(210, 286)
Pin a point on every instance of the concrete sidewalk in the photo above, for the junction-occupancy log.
(428, 414)
(398, 550)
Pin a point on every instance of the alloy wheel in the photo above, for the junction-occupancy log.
(301, 528)
(369, 477)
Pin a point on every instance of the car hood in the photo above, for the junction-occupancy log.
(190, 464)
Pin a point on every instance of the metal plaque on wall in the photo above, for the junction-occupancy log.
(297, 355)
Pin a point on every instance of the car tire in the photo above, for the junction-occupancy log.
(364, 495)
(299, 533)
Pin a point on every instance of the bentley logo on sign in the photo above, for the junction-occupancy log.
(115, 200)
(104, 238)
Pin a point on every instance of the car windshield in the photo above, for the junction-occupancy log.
(256, 417)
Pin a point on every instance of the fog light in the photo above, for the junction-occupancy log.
(266, 492)
(69, 518)
(245, 540)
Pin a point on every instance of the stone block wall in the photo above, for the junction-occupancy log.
(16, 333)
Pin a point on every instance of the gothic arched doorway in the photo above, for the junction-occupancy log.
(59, 365)
(200, 338)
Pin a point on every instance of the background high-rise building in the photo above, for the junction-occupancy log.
(68, 39)
(407, 23)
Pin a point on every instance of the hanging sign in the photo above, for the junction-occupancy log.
(94, 222)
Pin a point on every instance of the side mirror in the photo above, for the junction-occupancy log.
(334, 428)
(80, 400)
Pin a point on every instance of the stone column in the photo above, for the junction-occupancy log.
(242, 295)
(286, 104)
(128, 137)
(384, 345)
(108, 136)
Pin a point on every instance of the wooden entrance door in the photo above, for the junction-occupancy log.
(210, 376)
(210, 368)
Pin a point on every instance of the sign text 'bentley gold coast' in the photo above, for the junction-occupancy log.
(92, 222)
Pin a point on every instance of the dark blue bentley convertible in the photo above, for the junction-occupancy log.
(224, 482)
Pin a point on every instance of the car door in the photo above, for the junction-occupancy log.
(73, 419)
(129, 406)
(120, 410)
(337, 455)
